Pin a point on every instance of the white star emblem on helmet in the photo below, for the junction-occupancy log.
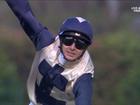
(80, 19)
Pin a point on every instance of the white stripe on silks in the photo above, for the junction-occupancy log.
(32, 79)
(34, 104)
(31, 103)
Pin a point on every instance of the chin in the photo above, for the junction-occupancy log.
(70, 59)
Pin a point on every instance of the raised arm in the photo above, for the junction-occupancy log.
(39, 35)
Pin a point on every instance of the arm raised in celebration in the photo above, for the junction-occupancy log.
(39, 34)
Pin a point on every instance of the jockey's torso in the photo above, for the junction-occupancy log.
(72, 71)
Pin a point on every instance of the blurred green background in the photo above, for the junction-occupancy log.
(115, 50)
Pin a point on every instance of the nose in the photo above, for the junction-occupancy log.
(72, 47)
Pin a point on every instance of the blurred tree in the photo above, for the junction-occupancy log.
(129, 87)
(115, 55)
(40, 7)
(11, 91)
(19, 51)
(81, 6)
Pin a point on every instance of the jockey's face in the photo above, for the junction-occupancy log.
(71, 53)
(73, 46)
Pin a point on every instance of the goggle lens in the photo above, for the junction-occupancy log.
(79, 43)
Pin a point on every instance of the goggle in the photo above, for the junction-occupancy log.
(80, 43)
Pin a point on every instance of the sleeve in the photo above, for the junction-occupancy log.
(83, 90)
(39, 35)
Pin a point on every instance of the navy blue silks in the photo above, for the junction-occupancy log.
(52, 77)
(54, 73)
(43, 91)
(83, 90)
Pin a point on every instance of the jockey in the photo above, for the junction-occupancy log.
(62, 70)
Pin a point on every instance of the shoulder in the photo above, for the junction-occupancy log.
(84, 81)
(50, 52)
(83, 90)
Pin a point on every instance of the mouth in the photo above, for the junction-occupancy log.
(70, 54)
